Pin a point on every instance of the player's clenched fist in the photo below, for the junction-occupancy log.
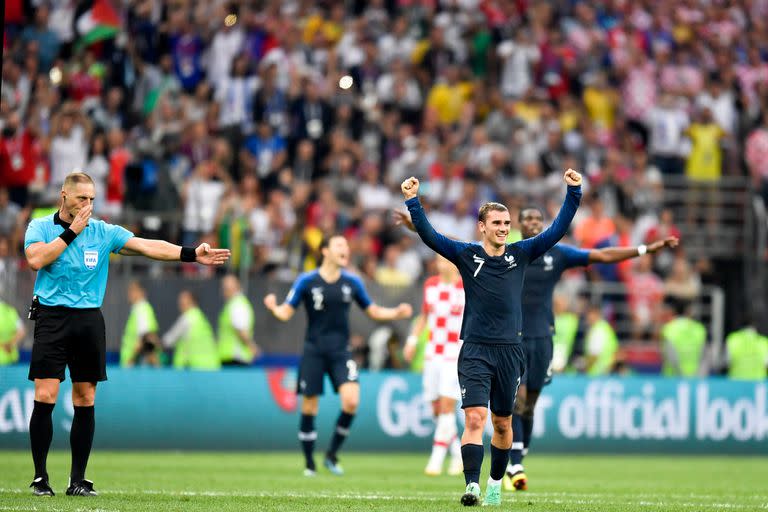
(270, 301)
(410, 187)
(404, 310)
(572, 178)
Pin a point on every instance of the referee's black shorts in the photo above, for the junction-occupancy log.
(69, 337)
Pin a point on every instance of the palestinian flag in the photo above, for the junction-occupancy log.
(98, 22)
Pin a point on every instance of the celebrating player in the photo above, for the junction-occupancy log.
(492, 359)
(541, 276)
(441, 314)
(327, 294)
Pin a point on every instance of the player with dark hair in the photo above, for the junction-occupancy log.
(327, 294)
(492, 357)
(541, 276)
(70, 252)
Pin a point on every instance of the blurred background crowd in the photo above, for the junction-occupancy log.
(229, 122)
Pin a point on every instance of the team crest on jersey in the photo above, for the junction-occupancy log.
(346, 293)
(548, 262)
(91, 259)
(510, 259)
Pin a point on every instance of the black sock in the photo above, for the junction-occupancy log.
(499, 460)
(516, 452)
(40, 436)
(340, 434)
(307, 436)
(472, 456)
(81, 440)
(527, 430)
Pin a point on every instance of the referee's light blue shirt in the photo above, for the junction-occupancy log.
(78, 277)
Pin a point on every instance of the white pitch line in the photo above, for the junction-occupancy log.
(556, 498)
(33, 508)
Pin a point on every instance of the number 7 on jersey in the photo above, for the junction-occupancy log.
(480, 261)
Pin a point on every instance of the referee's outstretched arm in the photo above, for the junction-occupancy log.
(166, 251)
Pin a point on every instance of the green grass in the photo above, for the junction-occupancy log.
(224, 482)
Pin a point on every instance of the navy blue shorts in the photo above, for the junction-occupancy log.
(313, 367)
(538, 362)
(490, 373)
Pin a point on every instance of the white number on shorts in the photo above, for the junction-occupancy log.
(351, 370)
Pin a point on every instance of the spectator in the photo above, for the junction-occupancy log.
(682, 284)
(46, 40)
(20, 158)
(747, 352)
(601, 344)
(646, 295)
(11, 333)
(70, 133)
(201, 196)
(595, 226)
(683, 343)
(191, 337)
(668, 123)
(757, 157)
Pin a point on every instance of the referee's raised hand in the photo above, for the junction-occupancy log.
(81, 219)
(206, 255)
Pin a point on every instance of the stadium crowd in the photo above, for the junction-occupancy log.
(235, 123)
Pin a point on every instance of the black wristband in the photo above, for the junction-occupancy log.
(68, 236)
(188, 254)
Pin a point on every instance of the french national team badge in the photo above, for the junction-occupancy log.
(91, 259)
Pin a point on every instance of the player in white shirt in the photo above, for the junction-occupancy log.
(441, 314)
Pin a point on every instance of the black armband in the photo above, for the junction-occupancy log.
(68, 236)
(188, 254)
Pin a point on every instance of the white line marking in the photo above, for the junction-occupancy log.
(556, 498)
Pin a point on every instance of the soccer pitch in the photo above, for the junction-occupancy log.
(223, 482)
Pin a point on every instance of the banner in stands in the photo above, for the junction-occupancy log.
(254, 409)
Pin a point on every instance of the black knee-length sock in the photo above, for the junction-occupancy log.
(81, 440)
(40, 436)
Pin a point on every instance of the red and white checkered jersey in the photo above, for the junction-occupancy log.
(444, 308)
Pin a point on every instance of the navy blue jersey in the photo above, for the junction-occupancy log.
(541, 276)
(327, 307)
(493, 285)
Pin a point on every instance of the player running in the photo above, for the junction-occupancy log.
(541, 276)
(441, 314)
(492, 358)
(327, 294)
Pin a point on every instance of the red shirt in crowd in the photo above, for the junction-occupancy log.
(19, 157)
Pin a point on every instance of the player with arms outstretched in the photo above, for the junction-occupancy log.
(541, 276)
(441, 314)
(327, 294)
(492, 358)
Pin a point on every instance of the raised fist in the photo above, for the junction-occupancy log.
(410, 187)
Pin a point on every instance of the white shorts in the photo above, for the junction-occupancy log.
(441, 378)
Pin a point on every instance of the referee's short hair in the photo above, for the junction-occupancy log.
(76, 177)
(482, 213)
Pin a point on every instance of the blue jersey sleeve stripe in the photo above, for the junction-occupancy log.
(544, 241)
(434, 240)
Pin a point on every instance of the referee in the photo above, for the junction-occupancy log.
(70, 252)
